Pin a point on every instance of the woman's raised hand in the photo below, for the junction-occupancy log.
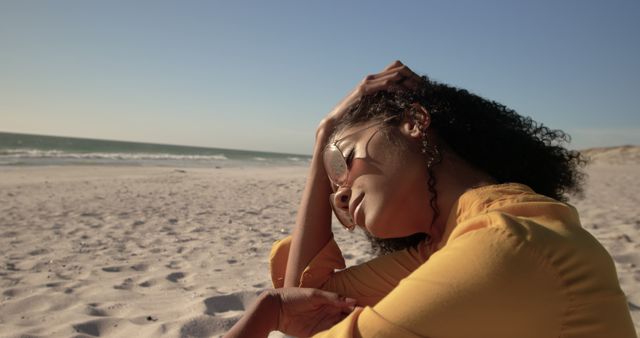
(395, 74)
(305, 312)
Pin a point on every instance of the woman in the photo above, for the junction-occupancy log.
(464, 197)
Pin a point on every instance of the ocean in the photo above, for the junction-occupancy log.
(34, 150)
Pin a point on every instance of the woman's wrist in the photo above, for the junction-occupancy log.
(259, 320)
(325, 129)
(317, 168)
(272, 304)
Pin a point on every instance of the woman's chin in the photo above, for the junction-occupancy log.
(383, 231)
(374, 227)
(378, 227)
(379, 231)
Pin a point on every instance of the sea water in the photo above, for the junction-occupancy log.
(26, 149)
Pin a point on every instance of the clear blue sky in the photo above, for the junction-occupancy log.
(260, 75)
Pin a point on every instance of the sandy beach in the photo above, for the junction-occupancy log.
(123, 251)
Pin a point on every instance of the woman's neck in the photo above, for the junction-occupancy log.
(454, 177)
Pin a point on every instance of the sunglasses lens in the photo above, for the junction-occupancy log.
(334, 165)
(342, 215)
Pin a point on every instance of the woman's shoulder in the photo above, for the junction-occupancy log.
(547, 226)
(513, 208)
(512, 218)
(510, 230)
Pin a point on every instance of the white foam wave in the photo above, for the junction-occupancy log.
(37, 153)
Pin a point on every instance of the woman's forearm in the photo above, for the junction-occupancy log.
(313, 221)
(259, 320)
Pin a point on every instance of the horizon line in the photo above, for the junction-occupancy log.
(153, 143)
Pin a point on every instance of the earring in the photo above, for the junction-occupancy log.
(430, 150)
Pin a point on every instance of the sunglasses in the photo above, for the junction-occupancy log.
(338, 168)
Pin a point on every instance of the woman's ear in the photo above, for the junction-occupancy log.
(418, 120)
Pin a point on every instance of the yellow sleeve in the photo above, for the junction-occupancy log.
(485, 283)
(367, 283)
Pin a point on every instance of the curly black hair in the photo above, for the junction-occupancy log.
(486, 134)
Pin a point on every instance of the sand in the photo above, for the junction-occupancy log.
(145, 252)
(149, 251)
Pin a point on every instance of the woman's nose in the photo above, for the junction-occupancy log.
(342, 197)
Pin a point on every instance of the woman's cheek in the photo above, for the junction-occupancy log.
(371, 215)
(378, 218)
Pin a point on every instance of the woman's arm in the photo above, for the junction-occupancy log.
(313, 222)
(259, 320)
(366, 282)
(295, 311)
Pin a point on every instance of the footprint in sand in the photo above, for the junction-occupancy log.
(126, 284)
(140, 267)
(175, 276)
(15, 292)
(238, 301)
(90, 328)
(112, 269)
(173, 265)
(206, 326)
(53, 285)
(98, 327)
(147, 284)
(106, 310)
(38, 252)
(96, 312)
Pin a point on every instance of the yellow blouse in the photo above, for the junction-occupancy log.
(512, 263)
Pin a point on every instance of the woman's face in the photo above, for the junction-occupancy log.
(387, 184)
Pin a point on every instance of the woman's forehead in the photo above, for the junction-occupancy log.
(345, 130)
(353, 130)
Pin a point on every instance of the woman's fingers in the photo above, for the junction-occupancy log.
(395, 74)
(382, 82)
(394, 64)
(334, 299)
(395, 77)
(306, 311)
(402, 76)
(402, 69)
(372, 88)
